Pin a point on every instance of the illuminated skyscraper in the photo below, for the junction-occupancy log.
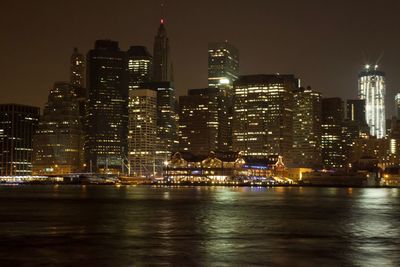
(58, 141)
(140, 66)
(77, 69)
(333, 151)
(372, 88)
(199, 121)
(263, 115)
(162, 68)
(17, 126)
(142, 137)
(223, 64)
(307, 128)
(107, 108)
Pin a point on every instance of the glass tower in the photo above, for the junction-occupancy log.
(140, 66)
(223, 64)
(372, 88)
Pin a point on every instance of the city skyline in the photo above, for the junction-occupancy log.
(325, 59)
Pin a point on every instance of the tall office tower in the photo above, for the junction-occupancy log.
(397, 101)
(307, 128)
(199, 121)
(140, 66)
(107, 108)
(58, 142)
(167, 120)
(17, 125)
(333, 156)
(142, 135)
(162, 67)
(263, 115)
(77, 69)
(355, 110)
(223, 64)
(372, 88)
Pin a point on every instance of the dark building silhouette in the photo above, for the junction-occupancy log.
(307, 128)
(199, 123)
(263, 115)
(58, 142)
(140, 66)
(107, 108)
(162, 68)
(17, 126)
(77, 69)
(333, 152)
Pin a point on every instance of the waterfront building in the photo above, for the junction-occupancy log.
(17, 125)
(77, 68)
(223, 64)
(167, 120)
(162, 68)
(142, 137)
(333, 156)
(107, 108)
(58, 142)
(307, 128)
(199, 124)
(140, 66)
(263, 115)
(372, 88)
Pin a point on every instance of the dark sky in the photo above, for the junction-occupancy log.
(324, 42)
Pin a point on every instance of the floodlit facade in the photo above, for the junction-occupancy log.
(140, 66)
(397, 101)
(58, 142)
(223, 64)
(263, 115)
(372, 88)
(106, 109)
(142, 135)
(307, 128)
(17, 126)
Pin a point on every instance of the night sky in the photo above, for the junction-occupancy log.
(325, 43)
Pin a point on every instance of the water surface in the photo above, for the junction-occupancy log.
(198, 226)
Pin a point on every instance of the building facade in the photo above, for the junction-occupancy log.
(140, 66)
(162, 68)
(263, 115)
(372, 88)
(142, 138)
(223, 64)
(199, 121)
(307, 128)
(17, 126)
(58, 142)
(333, 156)
(77, 68)
(106, 121)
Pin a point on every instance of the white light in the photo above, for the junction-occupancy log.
(224, 81)
(367, 66)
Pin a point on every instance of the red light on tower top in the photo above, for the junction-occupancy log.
(162, 21)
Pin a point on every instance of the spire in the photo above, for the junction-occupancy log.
(162, 14)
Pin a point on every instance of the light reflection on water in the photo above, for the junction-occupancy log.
(208, 226)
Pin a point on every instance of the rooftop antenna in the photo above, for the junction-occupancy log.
(162, 13)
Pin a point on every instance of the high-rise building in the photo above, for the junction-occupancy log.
(167, 120)
(333, 156)
(397, 100)
(17, 126)
(263, 115)
(223, 64)
(77, 69)
(140, 66)
(199, 123)
(355, 110)
(107, 108)
(372, 88)
(142, 138)
(162, 67)
(58, 141)
(307, 128)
